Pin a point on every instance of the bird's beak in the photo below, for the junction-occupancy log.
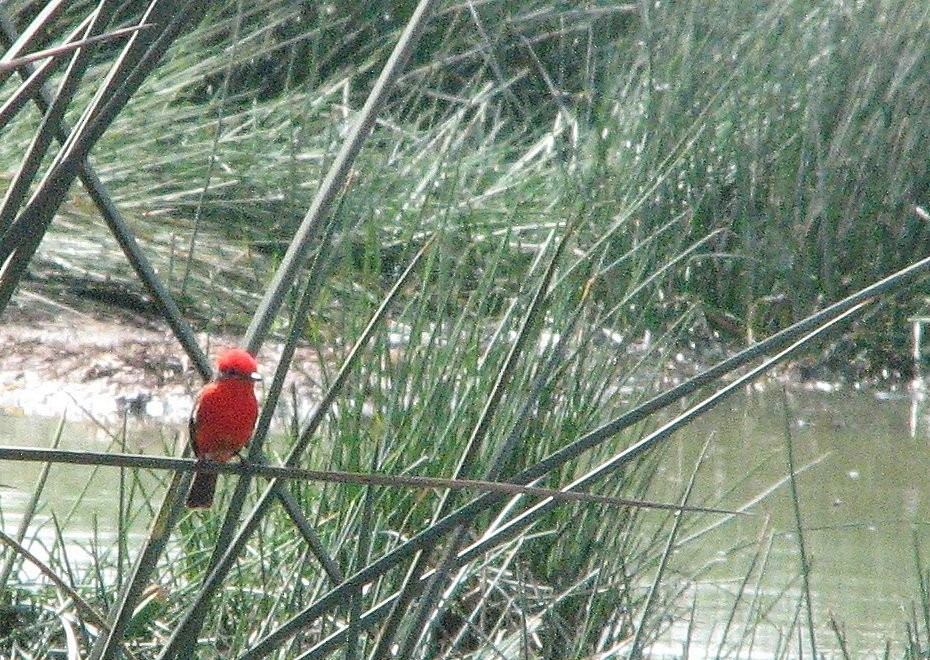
(255, 376)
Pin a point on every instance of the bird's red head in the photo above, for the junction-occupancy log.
(237, 362)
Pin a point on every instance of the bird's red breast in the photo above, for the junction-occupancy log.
(223, 418)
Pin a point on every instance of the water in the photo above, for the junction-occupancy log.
(83, 500)
(863, 505)
(863, 495)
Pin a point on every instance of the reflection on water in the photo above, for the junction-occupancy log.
(863, 501)
(863, 494)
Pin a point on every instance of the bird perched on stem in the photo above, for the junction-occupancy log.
(223, 419)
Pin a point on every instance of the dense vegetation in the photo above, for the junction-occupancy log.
(790, 174)
(725, 169)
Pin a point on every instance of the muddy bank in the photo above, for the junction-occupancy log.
(87, 362)
(61, 360)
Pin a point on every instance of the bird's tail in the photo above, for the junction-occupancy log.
(202, 489)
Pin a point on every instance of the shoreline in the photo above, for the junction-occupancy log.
(107, 366)
(110, 362)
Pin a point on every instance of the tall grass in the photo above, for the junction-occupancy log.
(802, 146)
(794, 131)
(725, 168)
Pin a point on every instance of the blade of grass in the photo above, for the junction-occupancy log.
(8, 64)
(32, 33)
(636, 646)
(301, 316)
(656, 436)
(799, 527)
(172, 507)
(211, 162)
(923, 582)
(87, 611)
(34, 78)
(121, 231)
(141, 54)
(362, 553)
(761, 553)
(42, 138)
(837, 629)
(424, 538)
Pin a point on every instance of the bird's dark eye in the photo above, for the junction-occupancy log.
(244, 375)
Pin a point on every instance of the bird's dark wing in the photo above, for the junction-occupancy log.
(192, 432)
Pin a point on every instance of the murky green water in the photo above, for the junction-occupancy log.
(863, 493)
(79, 500)
(863, 505)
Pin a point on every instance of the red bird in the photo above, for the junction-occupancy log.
(223, 419)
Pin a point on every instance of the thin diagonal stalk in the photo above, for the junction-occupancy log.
(172, 507)
(639, 448)
(362, 553)
(10, 64)
(211, 161)
(840, 633)
(760, 558)
(121, 514)
(317, 547)
(138, 58)
(892, 283)
(335, 179)
(755, 499)
(923, 584)
(146, 272)
(269, 405)
(33, 77)
(86, 609)
(44, 134)
(32, 33)
(187, 629)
